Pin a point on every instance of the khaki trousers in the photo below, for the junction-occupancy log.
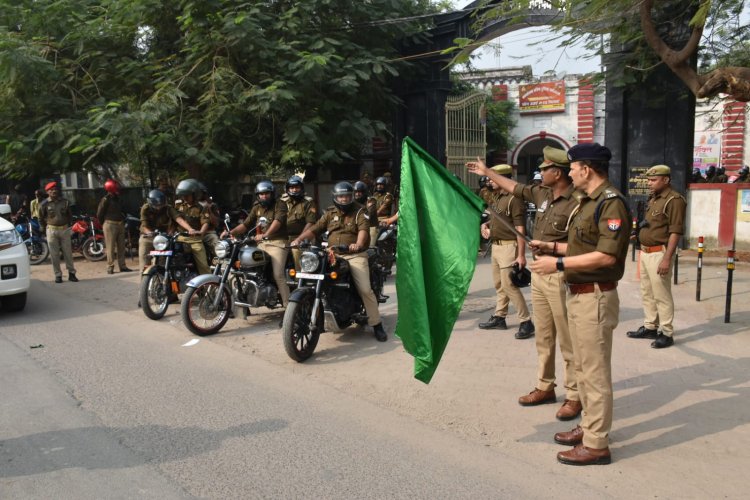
(503, 255)
(145, 245)
(592, 317)
(551, 322)
(114, 239)
(656, 294)
(59, 240)
(360, 270)
(210, 239)
(373, 236)
(278, 254)
(194, 244)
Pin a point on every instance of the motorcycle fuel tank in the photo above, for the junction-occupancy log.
(252, 257)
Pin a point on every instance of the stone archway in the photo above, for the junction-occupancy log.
(528, 154)
(639, 130)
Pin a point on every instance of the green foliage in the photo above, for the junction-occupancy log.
(228, 85)
(500, 123)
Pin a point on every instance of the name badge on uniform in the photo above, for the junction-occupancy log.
(544, 206)
(614, 224)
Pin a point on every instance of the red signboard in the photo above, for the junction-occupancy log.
(546, 97)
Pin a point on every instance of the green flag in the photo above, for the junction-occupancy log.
(438, 239)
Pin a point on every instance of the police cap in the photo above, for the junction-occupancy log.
(503, 169)
(658, 170)
(554, 157)
(593, 151)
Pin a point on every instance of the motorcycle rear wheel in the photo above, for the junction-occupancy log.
(154, 299)
(198, 312)
(38, 252)
(93, 250)
(299, 341)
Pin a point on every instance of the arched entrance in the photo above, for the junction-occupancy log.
(528, 154)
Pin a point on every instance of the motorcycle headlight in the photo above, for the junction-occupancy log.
(160, 242)
(221, 249)
(308, 263)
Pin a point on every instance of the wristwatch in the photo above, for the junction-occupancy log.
(560, 264)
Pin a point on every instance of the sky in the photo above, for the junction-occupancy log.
(518, 49)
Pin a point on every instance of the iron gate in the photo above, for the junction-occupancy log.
(466, 133)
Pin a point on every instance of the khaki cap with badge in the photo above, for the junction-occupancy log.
(659, 170)
(554, 157)
(502, 169)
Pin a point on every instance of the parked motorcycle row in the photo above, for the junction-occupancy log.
(323, 296)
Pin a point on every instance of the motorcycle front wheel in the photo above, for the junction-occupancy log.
(154, 298)
(93, 250)
(299, 340)
(38, 252)
(198, 311)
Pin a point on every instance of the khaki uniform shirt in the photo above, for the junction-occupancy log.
(665, 215)
(611, 235)
(299, 214)
(384, 204)
(343, 229)
(195, 215)
(552, 214)
(56, 213)
(158, 220)
(511, 209)
(277, 212)
(110, 209)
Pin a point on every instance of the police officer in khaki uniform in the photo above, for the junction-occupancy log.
(156, 215)
(347, 224)
(198, 219)
(301, 214)
(507, 249)
(210, 238)
(271, 237)
(383, 199)
(55, 216)
(593, 261)
(112, 218)
(665, 225)
(361, 196)
(555, 203)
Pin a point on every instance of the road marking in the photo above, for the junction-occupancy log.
(191, 343)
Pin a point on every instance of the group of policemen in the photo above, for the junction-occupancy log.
(580, 241)
(719, 175)
(277, 224)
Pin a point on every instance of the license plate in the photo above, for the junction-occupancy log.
(160, 252)
(308, 276)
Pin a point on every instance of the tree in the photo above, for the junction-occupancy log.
(225, 85)
(653, 32)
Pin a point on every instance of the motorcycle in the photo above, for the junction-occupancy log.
(172, 268)
(36, 243)
(386, 247)
(243, 278)
(325, 299)
(87, 238)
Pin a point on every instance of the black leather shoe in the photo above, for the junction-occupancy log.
(383, 298)
(58, 279)
(379, 332)
(110, 270)
(662, 341)
(525, 330)
(643, 333)
(126, 270)
(72, 277)
(495, 322)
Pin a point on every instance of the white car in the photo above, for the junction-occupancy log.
(15, 271)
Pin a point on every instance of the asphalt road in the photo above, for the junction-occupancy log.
(113, 405)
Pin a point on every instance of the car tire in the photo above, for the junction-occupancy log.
(14, 303)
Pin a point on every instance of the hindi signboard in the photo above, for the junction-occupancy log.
(545, 97)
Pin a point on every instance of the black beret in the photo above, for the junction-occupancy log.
(595, 152)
